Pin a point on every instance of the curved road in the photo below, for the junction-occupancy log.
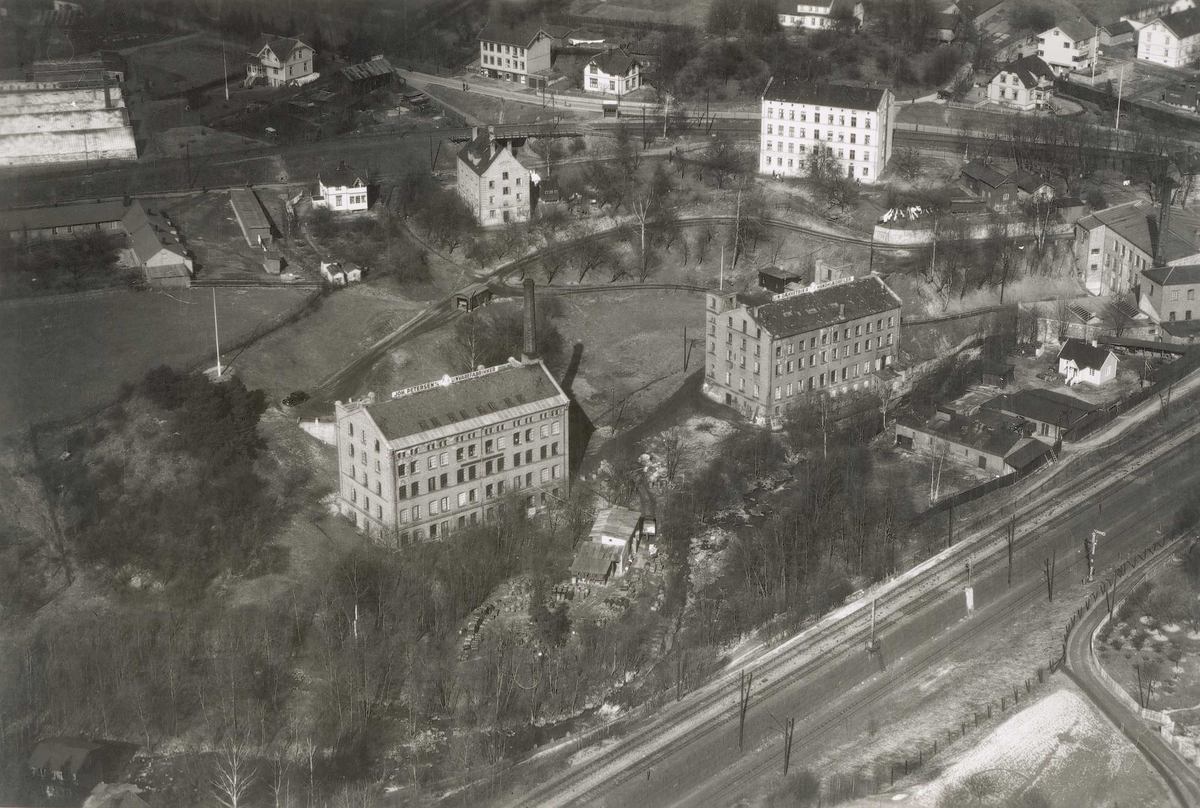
(1182, 776)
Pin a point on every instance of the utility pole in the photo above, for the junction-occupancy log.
(722, 283)
(950, 527)
(745, 689)
(216, 333)
(1012, 530)
(1049, 573)
(1120, 91)
(789, 730)
(1089, 547)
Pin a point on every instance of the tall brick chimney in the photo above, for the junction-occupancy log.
(107, 92)
(1164, 221)
(529, 350)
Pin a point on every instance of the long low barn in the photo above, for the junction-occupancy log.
(61, 221)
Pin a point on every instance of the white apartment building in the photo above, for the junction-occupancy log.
(854, 124)
(818, 14)
(1069, 46)
(493, 182)
(1171, 41)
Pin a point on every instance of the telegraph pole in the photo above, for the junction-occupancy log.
(745, 690)
(1089, 547)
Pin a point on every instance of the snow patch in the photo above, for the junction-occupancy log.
(1030, 746)
(1170, 628)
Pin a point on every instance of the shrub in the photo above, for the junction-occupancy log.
(1117, 643)
(942, 65)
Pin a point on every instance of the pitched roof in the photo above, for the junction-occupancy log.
(614, 62)
(509, 392)
(1028, 70)
(282, 47)
(13, 221)
(522, 36)
(1025, 452)
(984, 173)
(1084, 354)
(986, 431)
(947, 22)
(151, 233)
(860, 297)
(62, 754)
(478, 154)
(1041, 405)
(975, 8)
(615, 522)
(1078, 29)
(340, 176)
(1137, 222)
(1026, 180)
(1118, 28)
(592, 558)
(374, 67)
(825, 94)
(1183, 24)
(1182, 275)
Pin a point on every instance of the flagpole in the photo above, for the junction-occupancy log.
(216, 334)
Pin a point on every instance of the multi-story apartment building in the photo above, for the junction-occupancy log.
(519, 53)
(1172, 40)
(1113, 246)
(449, 454)
(1069, 46)
(818, 14)
(767, 352)
(1169, 294)
(492, 181)
(853, 124)
(279, 60)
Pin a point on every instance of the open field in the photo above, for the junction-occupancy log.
(182, 64)
(211, 231)
(323, 340)
(62, 356)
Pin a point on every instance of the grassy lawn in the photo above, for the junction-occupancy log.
(63, 356)
(179, 65)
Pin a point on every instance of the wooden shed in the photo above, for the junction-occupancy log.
(472, 297)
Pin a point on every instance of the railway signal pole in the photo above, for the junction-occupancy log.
(746, 684)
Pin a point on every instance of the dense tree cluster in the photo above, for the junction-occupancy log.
(29, 266)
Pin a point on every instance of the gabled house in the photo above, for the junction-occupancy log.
(66, 769)
(1069, 46)
(996, 189)
(613, 72)
(522, 54)
(944, 28)
(1031, 186)
(615, 536)
(341, 189)
(279, 61)
(1025, 84)
(1082, 362)
(1181, 96)
(1172, 40)
(492, 181)
(337, 274)
(1052, 414)
(818, 14)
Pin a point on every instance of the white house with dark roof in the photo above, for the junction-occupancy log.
(492, 181)
(1069, 46)
(613, 72)
(817, 14)
(522, 54)
(853, 124)
(279, 60)
(1172, 40)
(453, 453)
(341, 189)
(1024, 84)
(1081, 362)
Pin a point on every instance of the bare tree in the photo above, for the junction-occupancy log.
(1116, 319)
(676, 450)
(233, 774)
(939, 451)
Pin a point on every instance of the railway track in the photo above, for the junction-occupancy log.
(1033, 591)
(840, 633)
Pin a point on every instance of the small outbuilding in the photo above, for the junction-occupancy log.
(272, 262)
(472, 297)
(776, 280)
(997, 374)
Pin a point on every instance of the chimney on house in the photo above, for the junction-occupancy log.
(474, 133)
(529, 350)
(841, 311)
(107, 93)
(1164, 221)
